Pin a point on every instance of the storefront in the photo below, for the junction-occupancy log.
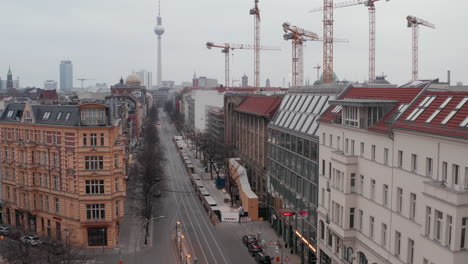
(97, 236)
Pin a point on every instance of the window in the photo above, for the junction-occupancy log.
(57, 205)
(361, 186)
(116, 161)
(331, 141)
(330, 238)
(58, 116)
(385, 156)
(352, 147)
(397, 243)
(448, 231)
(97, 236)
(351, 217)
(351, 116)
(353, 182)
(362, 148)
(454, 111)
(385, 195)
(400, 158)
(412, 213)
(444, 171)
(372, 189)
(10, 114)
(323, 138)
(464, 235)
(410, 251)
(46, 116)
(94, 163)
(55, 159)
(102, 139)
(428, 221)
(414, 162)
(455, 174)
(466, 177)
(428, 167)
(399, 199)
(438, 225)
(322, 230)
(84, 139)
(93, 140)
(117, 208)
(67, 116)
(56, 182)
(323, 167)
(95, 211)
(361, 219)
(338, 143)
(371, 226)
(94, 187)
(384, 235)
(373, 152)
(346, 145)
(116, 184)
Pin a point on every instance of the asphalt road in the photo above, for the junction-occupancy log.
(220, 244)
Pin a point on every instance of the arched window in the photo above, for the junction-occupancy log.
(322, 230)
(349, 254)
(362, 258)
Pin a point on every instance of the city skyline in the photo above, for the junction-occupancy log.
(118, 45)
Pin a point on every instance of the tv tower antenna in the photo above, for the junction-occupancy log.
(159, 31)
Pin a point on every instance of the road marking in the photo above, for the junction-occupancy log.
(184, 173)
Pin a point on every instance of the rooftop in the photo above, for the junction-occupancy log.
(260, 105)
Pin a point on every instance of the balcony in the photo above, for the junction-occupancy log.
(341, 157)
(456, 196)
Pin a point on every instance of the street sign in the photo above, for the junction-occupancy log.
(278, 259)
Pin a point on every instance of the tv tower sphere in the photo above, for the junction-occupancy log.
(159, 30)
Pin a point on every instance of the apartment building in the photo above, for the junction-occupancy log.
(394, 176)
(63, 171)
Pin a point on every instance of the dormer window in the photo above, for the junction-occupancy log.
(351, 116)
(46, 116)
(27, 117)
(93, 116)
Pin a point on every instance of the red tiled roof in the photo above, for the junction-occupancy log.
(435, 126)
(260, 105)
(49, 95)
(403, 95)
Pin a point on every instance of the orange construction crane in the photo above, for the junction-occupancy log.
(226, 47)
(414, 22)
(371, 6)
(256, 13)
(298, 36)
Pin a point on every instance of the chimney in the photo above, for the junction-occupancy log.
(448, 77)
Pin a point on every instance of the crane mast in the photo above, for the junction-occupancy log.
(256, 13)
(327, 41)
(298, 37)
(414, 23)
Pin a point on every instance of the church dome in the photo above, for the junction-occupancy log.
(133, 79)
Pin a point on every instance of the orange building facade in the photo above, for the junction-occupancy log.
(63, 172)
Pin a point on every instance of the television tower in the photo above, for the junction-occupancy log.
(159, 30)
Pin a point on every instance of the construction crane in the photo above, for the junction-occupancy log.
(298, 36)
(226, 47)
(82, 81)
(371, 6)
(256, 13)
(414, 23)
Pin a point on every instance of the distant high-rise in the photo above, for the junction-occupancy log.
(267, 83)
(66, 75)
(146, 78)
(245, 81)
(159, 31)
(50, 85)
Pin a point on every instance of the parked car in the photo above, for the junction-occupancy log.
(254, 248)
(14, 235)
(5, 230)
(262, 258)
(31, 240)
(248, 239)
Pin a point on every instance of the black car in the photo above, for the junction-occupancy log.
(55, 247)
(249, 239)
(254, 249)
(262, 258)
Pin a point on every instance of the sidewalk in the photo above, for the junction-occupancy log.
(268, 240)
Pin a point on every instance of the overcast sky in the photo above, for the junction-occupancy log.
(106, 39)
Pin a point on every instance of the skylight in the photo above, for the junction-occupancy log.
(454, 111)
(337, 109)
(59, 115)
(67, 116)
(10, 113)
(442, 106)
(46, 116)
(464, 123)
(420, 109)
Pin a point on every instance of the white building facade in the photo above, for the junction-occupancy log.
(393, 184)
(197, 106)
